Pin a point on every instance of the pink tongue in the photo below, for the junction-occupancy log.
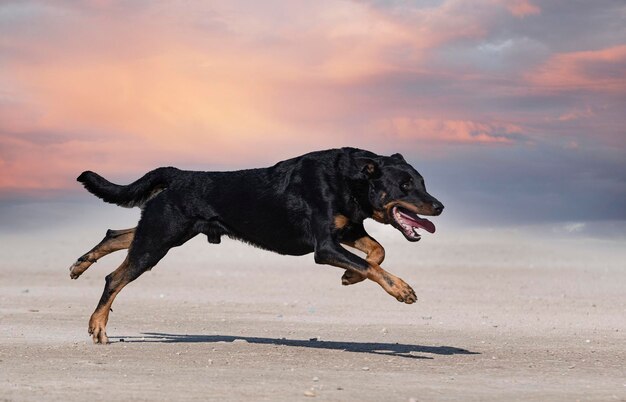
(420, 222)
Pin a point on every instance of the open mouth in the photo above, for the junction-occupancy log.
(409, 223)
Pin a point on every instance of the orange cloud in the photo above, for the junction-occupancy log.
(99, 85)
(44, 166)
(143, 90)
(596, 70)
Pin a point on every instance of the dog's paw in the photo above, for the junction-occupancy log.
(402, 291)
(80, 266)
(351, 277)
(97, 330)
(407, 295)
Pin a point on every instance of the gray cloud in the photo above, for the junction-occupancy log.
(486, 186)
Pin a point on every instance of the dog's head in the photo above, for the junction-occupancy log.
(396, 194)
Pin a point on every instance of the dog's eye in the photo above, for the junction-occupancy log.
(406, 186)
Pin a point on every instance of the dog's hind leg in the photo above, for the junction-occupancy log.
(153, 238)
(141, 258)
(114, 240)
(115, 281)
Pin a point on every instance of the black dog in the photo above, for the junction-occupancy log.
(309, 204)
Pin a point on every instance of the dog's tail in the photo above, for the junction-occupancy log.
(133, 195)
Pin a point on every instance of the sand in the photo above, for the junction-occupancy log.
(500, 316)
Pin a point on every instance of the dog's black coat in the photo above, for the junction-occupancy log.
(288, 208)
(310, 203)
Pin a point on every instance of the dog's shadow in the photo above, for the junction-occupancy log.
(391, 349)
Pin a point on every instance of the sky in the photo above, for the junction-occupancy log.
(513, 110)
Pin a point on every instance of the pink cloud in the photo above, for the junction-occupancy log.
(450, 131)
(577, 114)
(596, 70)
(521, 8)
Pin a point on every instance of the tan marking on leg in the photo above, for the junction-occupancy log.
(114, 240)
(392, 284)
(98, 321)
(351, 277)
(341, 221)
(375, 255)
(375, 252)
(97, 326)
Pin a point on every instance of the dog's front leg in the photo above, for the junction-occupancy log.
(331, 253)
(375, 254)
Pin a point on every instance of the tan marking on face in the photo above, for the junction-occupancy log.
(384, 215)
(341, 221)
(422, 209)
(379, 216)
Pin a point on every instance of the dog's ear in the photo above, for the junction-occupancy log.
(398, 157)
(366, 169)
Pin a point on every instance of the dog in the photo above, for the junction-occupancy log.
(314, 203)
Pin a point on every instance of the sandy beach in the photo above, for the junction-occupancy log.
(500, 316)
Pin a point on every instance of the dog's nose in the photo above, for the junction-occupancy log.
(437, 207)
